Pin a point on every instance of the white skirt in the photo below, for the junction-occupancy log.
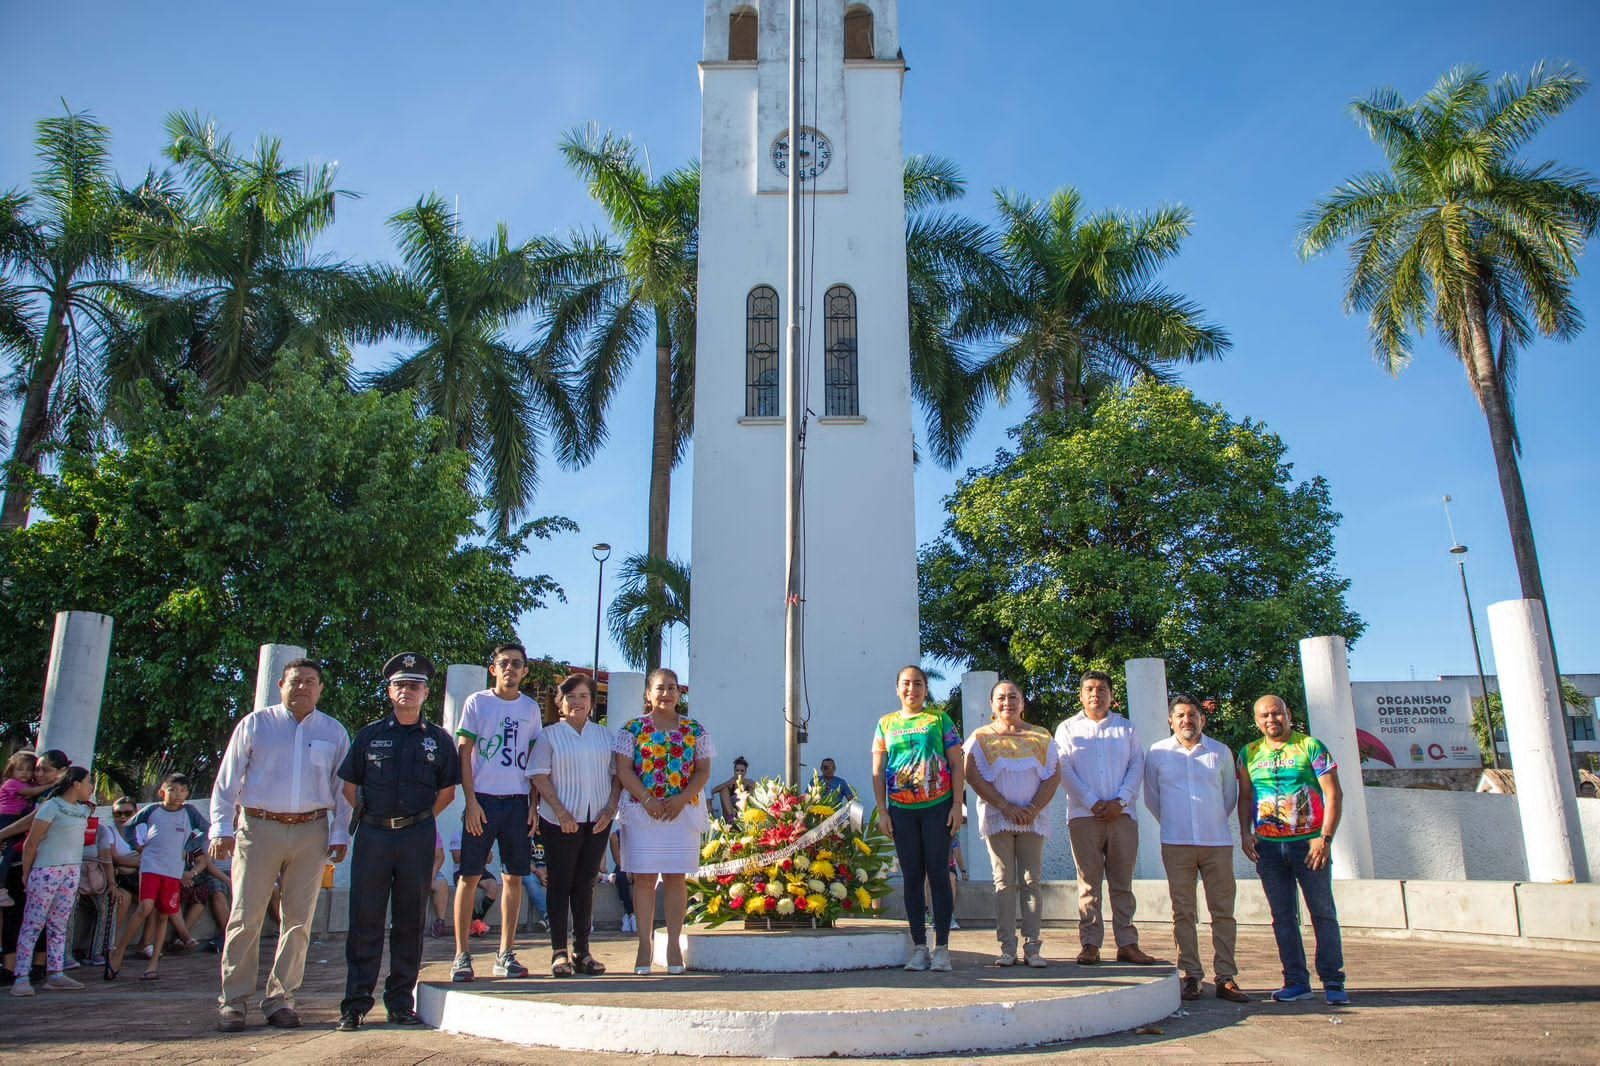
(652, 846)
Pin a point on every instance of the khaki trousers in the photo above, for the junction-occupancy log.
(1016, 859)
(1105, 850)
(266, 853)
(1214, 866)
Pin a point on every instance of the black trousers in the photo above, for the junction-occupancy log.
(922, 844)
(389, 874)
(573, 862)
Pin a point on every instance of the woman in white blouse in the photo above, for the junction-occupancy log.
(1014, 768)
(578, 790)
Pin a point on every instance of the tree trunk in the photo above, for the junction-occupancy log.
(1502, 438)
(34, 425)
(661, 455)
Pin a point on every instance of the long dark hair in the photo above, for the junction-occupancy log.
(69, 777)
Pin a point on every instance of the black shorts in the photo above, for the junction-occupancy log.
(505, 824)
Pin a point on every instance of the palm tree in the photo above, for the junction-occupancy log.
(947, 259)
(653, 595)
(58, 254)
(640, 289)
(453, 301)
(244, 287)
(1461, 230)
(1075, 306)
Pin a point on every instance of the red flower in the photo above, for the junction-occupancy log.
(847, 904)
(737, 902)
(772, 904)
(788, 864)
(725, 879)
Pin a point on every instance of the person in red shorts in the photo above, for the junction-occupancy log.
(161, 833)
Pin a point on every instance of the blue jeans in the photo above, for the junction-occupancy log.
(1282, 868)
(922, 844)
(539, 910)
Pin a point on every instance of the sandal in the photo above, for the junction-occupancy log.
(150, 975)
(560, 967)
(588, 964)
(110, 973)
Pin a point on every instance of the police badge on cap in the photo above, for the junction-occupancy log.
(409, 666)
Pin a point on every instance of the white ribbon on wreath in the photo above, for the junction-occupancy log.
(851, 811)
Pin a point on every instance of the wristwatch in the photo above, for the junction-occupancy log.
(1328, 837)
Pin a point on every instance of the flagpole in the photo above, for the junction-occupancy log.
(792, 696)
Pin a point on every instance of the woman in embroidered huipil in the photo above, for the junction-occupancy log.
(917, 779)
(663, 760)
(1014, 768)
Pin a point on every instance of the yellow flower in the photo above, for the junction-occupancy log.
(824, 855)
(755, 906)
(863, 897)
(796, 888)
(775, 872)
(822, 868)
(753, 815)
(837, 890)
(816, 886)
(861, 846)
(821, 810)
(817, 904)
(714, 905)
(710, 849)
(786, 906)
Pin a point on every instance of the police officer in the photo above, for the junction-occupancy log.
(400, 772)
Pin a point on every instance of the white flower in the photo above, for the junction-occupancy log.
(738, 890)
(774, 889)
(801, 862)
(837, 890)
(786, 905)
(816, 886)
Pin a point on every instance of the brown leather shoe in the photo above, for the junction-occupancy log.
(1132, 953)
(1089, 955)
(230, 1020)
(1231, 992)
(1191, 988)
(284, 1018)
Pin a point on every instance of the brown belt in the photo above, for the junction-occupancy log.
(286, 819)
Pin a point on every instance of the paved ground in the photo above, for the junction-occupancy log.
(1414, 1003)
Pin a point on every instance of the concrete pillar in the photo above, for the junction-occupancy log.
(460, 681)
(1331, 714)
(975, 712)
(1147, 710)
(1546, 800)
(625, 700)
(269, 671)
(75, 684)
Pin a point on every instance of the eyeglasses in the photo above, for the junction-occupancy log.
(510, 664)
(122, 814)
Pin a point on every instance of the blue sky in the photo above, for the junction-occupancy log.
(1237, 110)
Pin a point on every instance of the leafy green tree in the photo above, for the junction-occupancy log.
(1075, 307)
(653, 595)
(1157, 527)
(242, 285)
(455, 302)
(292, 513)
(639, 289)
(59, 272)
(1571, 695)
(1461, 230)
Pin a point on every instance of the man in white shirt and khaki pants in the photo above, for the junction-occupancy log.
(1192, 789)
(279, 777)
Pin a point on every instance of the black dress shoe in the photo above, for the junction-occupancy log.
(405, 1017)
(349, 1022)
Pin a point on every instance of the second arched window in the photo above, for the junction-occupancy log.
(761, 353)
(840, 376)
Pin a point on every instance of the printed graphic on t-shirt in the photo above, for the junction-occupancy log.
(1288, 796)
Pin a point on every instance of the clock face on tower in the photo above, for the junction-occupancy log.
(814, 149)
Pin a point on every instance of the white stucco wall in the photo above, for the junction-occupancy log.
(861, 609)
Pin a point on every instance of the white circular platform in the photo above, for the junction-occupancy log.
(863, 945)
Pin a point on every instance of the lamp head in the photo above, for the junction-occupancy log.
(601, 552)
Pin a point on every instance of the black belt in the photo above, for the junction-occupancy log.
(395, 823)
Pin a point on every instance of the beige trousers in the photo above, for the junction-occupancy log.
(1214, 866)
(1017, 859)
(1105, 851)
(265, 853)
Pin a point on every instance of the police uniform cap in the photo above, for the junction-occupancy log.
(409, 666)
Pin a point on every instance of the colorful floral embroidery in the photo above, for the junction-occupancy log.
(664, 761)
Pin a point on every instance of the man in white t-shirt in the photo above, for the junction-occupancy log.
(495, 738)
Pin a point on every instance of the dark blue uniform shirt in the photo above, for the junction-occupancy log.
(400, 769)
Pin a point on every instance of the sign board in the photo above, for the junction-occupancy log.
(1414, 725)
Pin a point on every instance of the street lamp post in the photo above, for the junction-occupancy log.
(601, 553)
(1459, 550)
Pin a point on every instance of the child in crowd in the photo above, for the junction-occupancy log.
(163, 832)
(488, 887)
(50, 862)
(621, 881)
(51, 764)
(536, 887)
(439, 888)
(204, 888)
(17, 794)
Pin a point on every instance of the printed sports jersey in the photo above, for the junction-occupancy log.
(1288, 797)
(915, 771)
(503, 732)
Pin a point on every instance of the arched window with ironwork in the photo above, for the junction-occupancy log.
(840, 377)
(761, 353)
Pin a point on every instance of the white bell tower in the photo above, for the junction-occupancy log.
(860, 620)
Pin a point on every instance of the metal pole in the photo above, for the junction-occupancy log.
(791, 419)
(601, 553)
(1477, 654)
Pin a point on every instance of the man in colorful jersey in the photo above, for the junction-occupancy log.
(1289, 801)
(495, 739)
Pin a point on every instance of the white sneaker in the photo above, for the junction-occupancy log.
(1006, 959)
(60, 982)
(1036, 960)
(919, 957)
(953, 923)
(22, 987)
(71, 963)
(941, 960)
